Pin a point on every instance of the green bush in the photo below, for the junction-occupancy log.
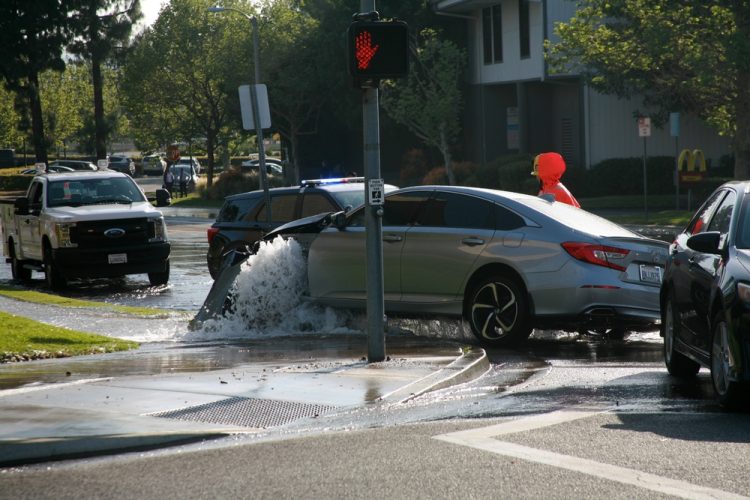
(15, 182)
(234, 181)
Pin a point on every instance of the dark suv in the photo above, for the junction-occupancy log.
(242, 219)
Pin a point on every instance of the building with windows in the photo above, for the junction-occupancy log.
(515, 105)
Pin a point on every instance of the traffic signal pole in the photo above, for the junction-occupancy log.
(373, 217)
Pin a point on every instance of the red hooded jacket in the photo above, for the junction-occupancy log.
(550, 168)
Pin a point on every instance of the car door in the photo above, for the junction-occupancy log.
(441, 248)
(29, 224)
(704, 269)
(685, 264)
(337, 258)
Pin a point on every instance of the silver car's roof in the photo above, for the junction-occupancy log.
(541, 210)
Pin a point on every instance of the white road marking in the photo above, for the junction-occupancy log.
(483, 439)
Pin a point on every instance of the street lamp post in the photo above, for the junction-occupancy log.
(254, 104)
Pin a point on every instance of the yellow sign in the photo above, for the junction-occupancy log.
(691, 165)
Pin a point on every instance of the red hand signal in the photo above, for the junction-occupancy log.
(364, 50)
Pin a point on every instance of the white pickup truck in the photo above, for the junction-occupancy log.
(84, 225)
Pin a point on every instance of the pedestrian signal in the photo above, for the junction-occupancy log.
(378, 49)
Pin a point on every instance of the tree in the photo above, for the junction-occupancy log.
(105, 26)
(32, 37)
(429, 101)
(181, 72)
(10, 135)
(678, 55)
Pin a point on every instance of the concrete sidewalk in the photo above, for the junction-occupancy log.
(166, 395)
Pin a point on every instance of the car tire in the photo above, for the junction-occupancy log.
(498, 312)
(678, 364)
(54, 279)
(159, 278)
(729, 393)
(17, 270)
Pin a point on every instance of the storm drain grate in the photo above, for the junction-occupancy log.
(247, 412)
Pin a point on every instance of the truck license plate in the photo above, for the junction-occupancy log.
(651, 274)
(122, 258)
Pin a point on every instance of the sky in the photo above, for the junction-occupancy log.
(150, 9)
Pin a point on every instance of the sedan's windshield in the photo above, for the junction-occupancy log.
(77, 192)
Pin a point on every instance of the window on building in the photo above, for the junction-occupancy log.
(492, 33)
(524, 29)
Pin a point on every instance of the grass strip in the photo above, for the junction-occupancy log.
(57, 300)
(24, 339)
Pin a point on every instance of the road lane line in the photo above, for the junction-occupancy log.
(483, 439)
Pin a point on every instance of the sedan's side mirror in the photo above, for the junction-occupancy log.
(339, 220)
(707, 242)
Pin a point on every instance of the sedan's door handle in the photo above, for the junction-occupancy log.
(391, 238)
(472, 242)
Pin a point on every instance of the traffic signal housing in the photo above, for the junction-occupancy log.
(378, 50)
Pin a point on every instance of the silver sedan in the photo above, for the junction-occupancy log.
(504, 261)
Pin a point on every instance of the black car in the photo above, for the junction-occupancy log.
(705, 295)
(242, 219)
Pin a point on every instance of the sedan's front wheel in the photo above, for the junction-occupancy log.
(498, 311)
(729, 392)
(677, 363)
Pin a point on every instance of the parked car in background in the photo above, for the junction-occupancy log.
(242, 219)
(187, 160)
(705, 297)
(121, 163)
(273, 166)
(180, 170)
(153, 165)
(50, 168)
(75, 164)
(506, 262)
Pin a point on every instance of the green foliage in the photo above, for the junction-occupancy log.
(429, 101)
(14, 182)
(690, 56)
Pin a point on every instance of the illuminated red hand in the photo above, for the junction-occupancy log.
(364, 49)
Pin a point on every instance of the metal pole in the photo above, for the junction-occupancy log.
(373, 219)
(645, 181)
(676, 174)
(254, 106)
(256, 117)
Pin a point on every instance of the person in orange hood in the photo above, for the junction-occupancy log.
(549, 168)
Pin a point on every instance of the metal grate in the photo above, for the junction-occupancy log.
(248, 412)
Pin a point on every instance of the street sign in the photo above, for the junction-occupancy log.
(691, 166)
(376, 192)
(378, 49)
(644, 126)
(102, 164)
(246, 107)
(173, 152)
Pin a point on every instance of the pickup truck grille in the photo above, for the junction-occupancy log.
(112, 233)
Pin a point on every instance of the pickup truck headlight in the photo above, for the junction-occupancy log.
(62, 231)
(158, 230)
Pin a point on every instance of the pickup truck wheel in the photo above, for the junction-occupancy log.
(16, 266)
(55, 280)
(159, 279)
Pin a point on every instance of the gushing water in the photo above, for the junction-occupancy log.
(267, 299)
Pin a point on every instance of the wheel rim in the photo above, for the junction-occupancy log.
(720, 359)
(494, 311)
(668, 332)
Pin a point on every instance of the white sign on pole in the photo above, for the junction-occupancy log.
(246, 107)
(102, 164)
(40, 167)
(644, 126)
(376, 191)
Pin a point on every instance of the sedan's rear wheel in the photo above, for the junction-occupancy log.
(498, 311)
(729, 392)
(677, 363)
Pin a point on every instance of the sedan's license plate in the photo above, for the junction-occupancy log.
(122, 258)
(650, 274)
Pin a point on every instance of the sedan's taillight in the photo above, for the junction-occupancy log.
(211, 232)
(600, 255)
